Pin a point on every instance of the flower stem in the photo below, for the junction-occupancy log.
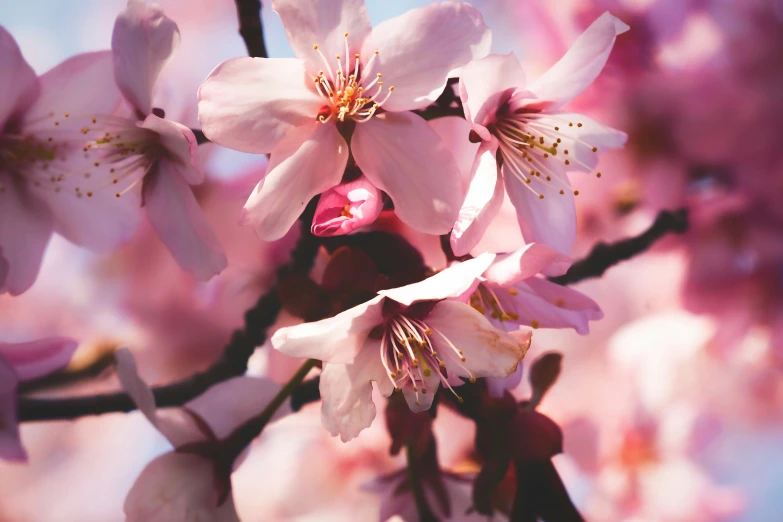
(417, 488)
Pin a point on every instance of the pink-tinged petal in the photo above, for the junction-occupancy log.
(142, 42)
(308, 161)
(38, 358)
(250, 104)
(179, 141)
(335, 340)
(228, 404)
(323, 23)
(10, 443)
(401, 155)
(25, 229)
(177, 487)
(481, 205)
(3, 269)
(421, 399)
(454, 132)
(551, 220)
(419, 49)
(347, 207)
(18, 82)
(346, 392)
(181, 224)
(80, 86)
(582, 64)
(176, 430)
(526, 262)
(485, 85)
(456, 280)
(488, 352)
(548, 305)
(497, 386)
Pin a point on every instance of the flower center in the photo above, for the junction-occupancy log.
(531, 144)
(408, 354)
(346, 89)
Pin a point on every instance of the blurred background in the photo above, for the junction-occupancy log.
(672, 406)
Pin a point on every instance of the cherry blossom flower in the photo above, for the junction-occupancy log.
(512, 292)
(21, 362)
(349, 83)
(528, 144)
(40, 174)
(411, 338)
(146, 148)
(347, 207)
(191, 485)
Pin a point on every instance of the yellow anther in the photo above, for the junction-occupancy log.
(534, 323)
(315, 48)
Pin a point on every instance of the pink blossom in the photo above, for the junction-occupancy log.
(24, 362)
(182, 485)
(513, 293)
(347, 207)
(411, 338)
(41, 175)
(349, 83)
(528, 144)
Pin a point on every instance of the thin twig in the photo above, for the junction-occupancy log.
(232, 362)
(604, 256)
(250, 27)
(417, 488)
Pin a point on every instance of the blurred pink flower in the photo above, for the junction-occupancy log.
(347, 207)
(512, 293)
(410, 338)
(23, 362)
(39, 185)
(182, 484)
(523, 132)
(303, 110)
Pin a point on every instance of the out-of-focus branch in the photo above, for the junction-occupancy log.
(200, 138)
(232, 362)
(603, 256)
(74, 373)
(250, 27)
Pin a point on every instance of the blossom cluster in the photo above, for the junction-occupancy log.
(86, 149)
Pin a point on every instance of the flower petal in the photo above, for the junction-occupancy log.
(359, 199)
(401, 155)
(497, 386)
(421, 400)
(481, 205)
(308, 161)
(179, 141)
(142, 42)
(456, 280)
(250, 104)
(346, 392)
(25, 229)
(582, 64)
(18, 81)
(551, 220)
(454, 132)
(323, 23)
(420, 48)
(181, 224)
(10, 443)
(228, 404)
(335, 340)
(486, 84)
(526, 262)
(38, 358)
(81, 86)
(178, 487)
(488, 352)
(549, 305)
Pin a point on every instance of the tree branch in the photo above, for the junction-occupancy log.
(232, 362)
(250, 27)
(603, 256)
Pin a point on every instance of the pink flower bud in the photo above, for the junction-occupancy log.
(347, 207)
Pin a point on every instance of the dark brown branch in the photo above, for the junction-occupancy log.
(603, 256)
(232, 362)
(250, 27)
